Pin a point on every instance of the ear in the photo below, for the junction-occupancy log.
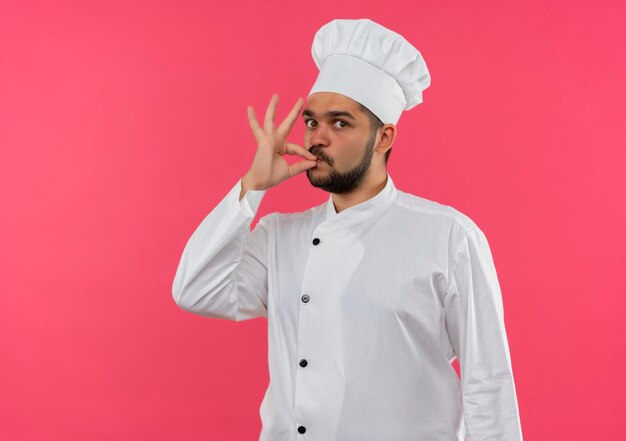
(387, 138)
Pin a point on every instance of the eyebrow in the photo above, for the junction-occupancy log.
(330, 114)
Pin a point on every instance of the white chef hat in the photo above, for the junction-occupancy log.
(370, 64)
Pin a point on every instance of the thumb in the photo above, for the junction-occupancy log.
(300, 166)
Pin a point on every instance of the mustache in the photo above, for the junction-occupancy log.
(318, 151)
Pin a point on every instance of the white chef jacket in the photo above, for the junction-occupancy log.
(366, 309)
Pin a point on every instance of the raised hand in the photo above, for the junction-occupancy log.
(269, 168)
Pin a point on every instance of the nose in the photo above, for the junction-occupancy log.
(319, 136)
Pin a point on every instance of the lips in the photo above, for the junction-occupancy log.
(321, 161)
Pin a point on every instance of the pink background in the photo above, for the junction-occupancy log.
(123, 123)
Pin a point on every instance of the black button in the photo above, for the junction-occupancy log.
(303, 362)
(316, 241)
(301, 429)
(305, 298)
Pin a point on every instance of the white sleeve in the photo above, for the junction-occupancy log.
(223, 269)
(475, 322)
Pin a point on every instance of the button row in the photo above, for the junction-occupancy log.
(303, 363)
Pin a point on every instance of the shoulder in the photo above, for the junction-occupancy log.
(435, 211)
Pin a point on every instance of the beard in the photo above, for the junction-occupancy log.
(346, 182)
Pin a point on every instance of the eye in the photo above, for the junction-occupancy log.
(312, 121)
(341, 122)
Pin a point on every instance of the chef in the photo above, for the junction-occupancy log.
(371, 295)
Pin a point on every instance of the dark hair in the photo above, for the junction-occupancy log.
(375, 124)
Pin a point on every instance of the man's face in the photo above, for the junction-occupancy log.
(338, 132)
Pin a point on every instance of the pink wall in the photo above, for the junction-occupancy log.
(123, 123)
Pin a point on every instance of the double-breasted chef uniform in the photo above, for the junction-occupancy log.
(366, 309)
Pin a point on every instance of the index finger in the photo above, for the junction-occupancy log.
(287, 124)
(269, 114)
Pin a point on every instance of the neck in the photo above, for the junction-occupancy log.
(371, 186)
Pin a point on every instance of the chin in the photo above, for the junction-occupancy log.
(316, 176)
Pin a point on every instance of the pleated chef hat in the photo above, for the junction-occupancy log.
(370, 64)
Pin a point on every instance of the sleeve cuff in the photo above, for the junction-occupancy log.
(250, 202)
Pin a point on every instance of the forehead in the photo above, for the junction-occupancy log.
(320, 102)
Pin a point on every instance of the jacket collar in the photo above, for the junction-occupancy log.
(366, 210)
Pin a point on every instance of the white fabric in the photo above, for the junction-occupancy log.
(398, 287)
(371, 64)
